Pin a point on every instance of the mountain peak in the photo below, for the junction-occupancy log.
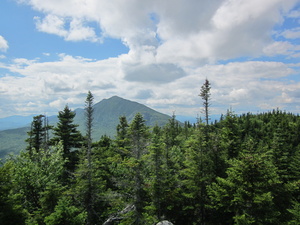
(106, 118)
(108, 111)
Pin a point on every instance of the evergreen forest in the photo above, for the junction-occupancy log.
(242, 169)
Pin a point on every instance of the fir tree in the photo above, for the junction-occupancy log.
(90, 187)
(247, 193)
(205, 95)
(122, 138)
(66, 131)
(38, 134)
(139, 134)
(157, 175)
(198, 173)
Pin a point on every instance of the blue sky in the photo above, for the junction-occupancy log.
(155, 52)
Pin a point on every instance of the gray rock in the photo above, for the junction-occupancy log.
(164, 222)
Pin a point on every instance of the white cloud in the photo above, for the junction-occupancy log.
(291, 33)
(279, 48)
(198, 31)
(173, 46)
(77, 31)
(49, 85)
(3, 44)
(234, 29)
(199, 28)
(51, 24)
(234, 13)
(294, 14)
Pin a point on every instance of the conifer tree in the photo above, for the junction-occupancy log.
(157, 167)
(205, 95)
(139, 135)
(230, 134)
(86, 188)
(247, 194)
(122, 138)
(198, 173)
(89, 123)
(171, 131)
(38, 134)
(66, 131)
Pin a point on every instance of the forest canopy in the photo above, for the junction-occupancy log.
(242, 169)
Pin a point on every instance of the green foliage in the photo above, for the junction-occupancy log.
(106, 118)
(198, 174)
(231, 135)
(66, 131)
(248, 191)
(10, 211)
(295, 211)
(65, 213)
(241, 170)
(37, 184)
(139, 135)
(205, 95)
(38, 134)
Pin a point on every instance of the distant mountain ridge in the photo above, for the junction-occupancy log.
(106, 118)
(13, 122)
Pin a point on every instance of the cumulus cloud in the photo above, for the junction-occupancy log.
(3, 44)
(234, 84)
(144, 94)
(291, 33)
(279, 48)
(198, 31)
(48, 81)
(77, 30)
(173, 47)
(153, 73)
(294, 14)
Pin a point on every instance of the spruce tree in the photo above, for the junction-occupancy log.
(89, 123)
(157, 166)
(38, 134)
(231, 135)
(246, 195)
(139, 135)
(66, 131)
(122, 138)
(205, 95)
(198, 173)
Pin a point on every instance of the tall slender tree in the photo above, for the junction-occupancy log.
(89, 110)
(38, 134)
(89, 123)
(122, 138)
(139, 134)
(205, 95)
(157, 170)
(197, 175)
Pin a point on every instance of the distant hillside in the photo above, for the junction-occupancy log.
(106, 118)
(108, 111)
(13, 122)
(12, 141)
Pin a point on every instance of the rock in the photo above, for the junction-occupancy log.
(164, 222)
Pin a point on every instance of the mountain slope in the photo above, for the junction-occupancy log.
(13, 122)
(108, 111)
(106, 118)
(12, 141)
